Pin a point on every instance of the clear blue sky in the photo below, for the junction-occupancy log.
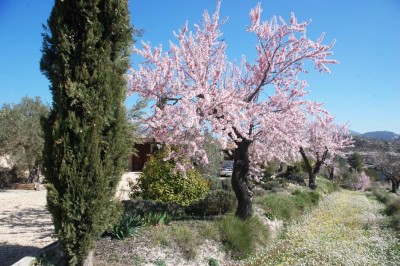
(363, 90)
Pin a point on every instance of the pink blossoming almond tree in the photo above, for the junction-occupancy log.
(323, 140)
(258, 107)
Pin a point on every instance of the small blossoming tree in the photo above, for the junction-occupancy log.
(323, 140)
(258, 107)
(363, 181)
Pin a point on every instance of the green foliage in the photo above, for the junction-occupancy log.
(213, 262)
(46, 260)
(21, 135)
(287, 207)
(293, 169)
(214, 155)
(273, 184)
(381, 194)
(270, 170)
(87, 136)
(216, 202)
(160, 263)
(185, 239)
(242, 237)
(372, 173)
(158, 182)
(356, 162)
(139, 206)
(210, 231)
(326, 186)
(128, 226)
(297, 178)
(157, 218)
(392, 207)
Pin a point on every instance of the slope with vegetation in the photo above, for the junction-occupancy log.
(346, 229)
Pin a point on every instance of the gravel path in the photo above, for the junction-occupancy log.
(347, 228)
(25, 223)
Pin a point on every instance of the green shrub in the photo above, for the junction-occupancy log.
(297, 178)
(315, 197)
(279, 206)
(128, 226)
(305, 200)
(158, 182)
(242, 237)
(372, 173)
(213, 262)
(288, 207)
(325, 186)
(160, 263)
(141, 207)
(216, 202)
(269, 185)
(381, 194)
(293, 169)
(393, 206)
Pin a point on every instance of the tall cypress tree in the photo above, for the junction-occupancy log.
(86, 49)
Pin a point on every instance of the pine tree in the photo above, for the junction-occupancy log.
(86, 49)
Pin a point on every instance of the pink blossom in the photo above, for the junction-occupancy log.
(196, 89)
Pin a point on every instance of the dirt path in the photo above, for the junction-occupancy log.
(25, 223)
(345, 229)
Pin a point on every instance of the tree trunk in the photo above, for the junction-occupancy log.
(394, 186)
(312, 173)
(311, 181)
(331, 171)
(33, 173)
(239, 180)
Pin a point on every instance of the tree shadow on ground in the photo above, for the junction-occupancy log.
(27, 218)
(10, 253)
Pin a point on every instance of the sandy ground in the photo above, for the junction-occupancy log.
(25, 223)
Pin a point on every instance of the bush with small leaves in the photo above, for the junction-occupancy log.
(297, 178)
(158, 182)
(141, 207)
(216, 202)
(381, 194)
(269, 185)
(393, 206)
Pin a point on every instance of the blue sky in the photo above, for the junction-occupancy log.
(363, 90)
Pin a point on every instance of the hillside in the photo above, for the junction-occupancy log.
(368, 148)
(381, 135)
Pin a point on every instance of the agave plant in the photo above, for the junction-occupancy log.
(128, 226)
(157, 218)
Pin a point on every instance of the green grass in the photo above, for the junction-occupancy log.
(287, 207)
(325, 186)
(345, 229)
(242, 237)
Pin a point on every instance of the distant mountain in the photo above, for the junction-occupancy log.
(381, 135)
(354, 133)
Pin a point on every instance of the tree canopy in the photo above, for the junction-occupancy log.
(86, 53)
(257, 107)
(21, 134)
